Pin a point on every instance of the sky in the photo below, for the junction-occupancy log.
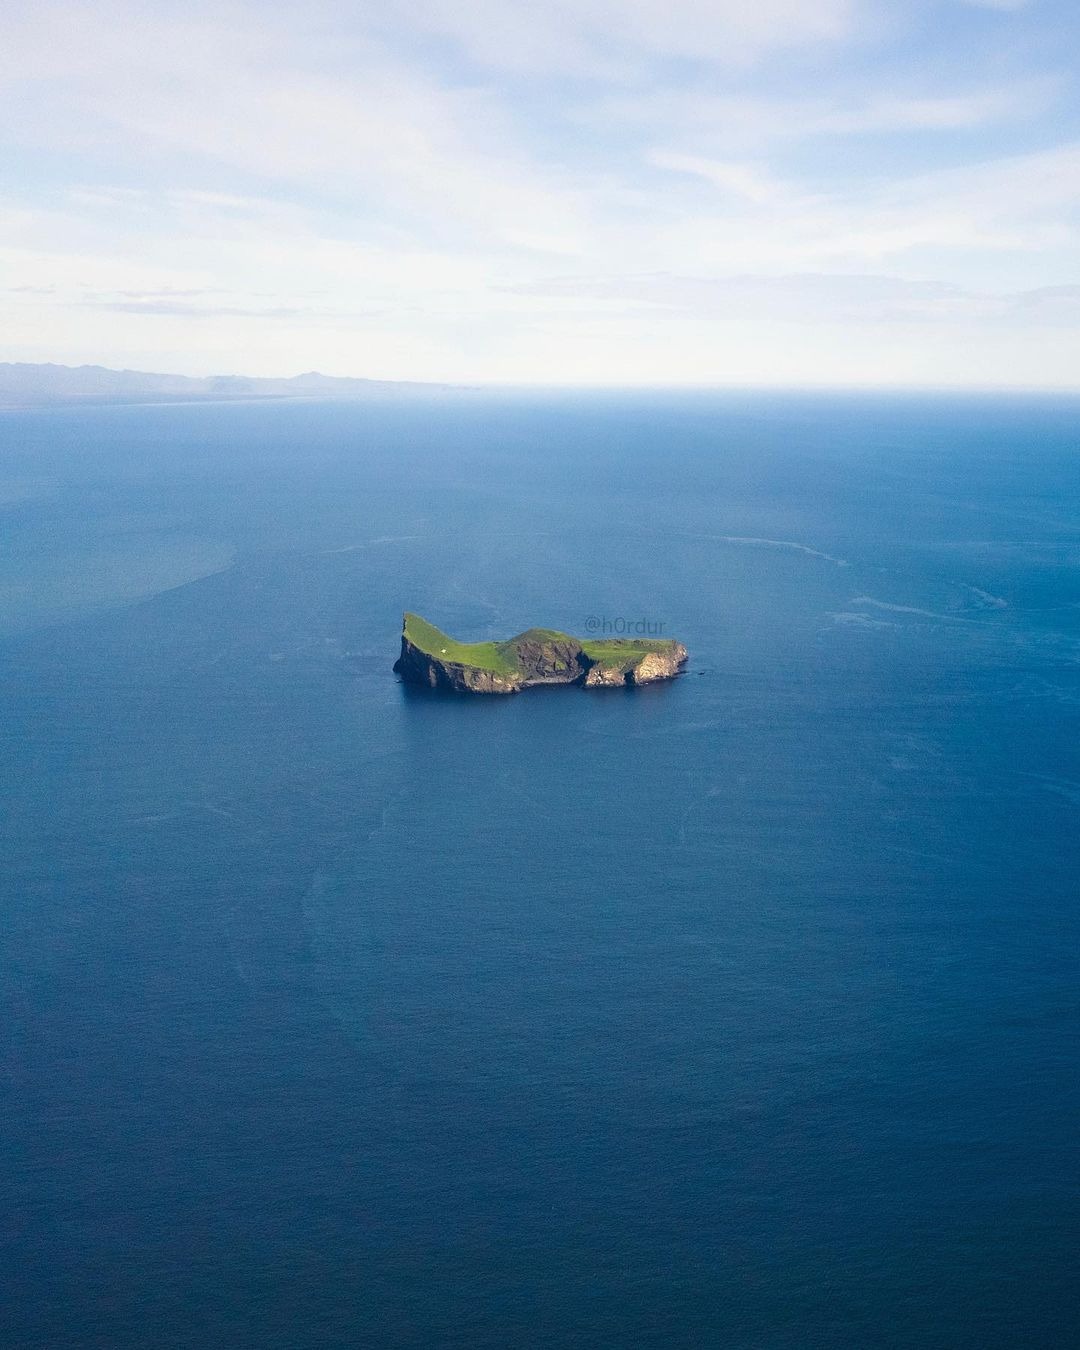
(618, 192)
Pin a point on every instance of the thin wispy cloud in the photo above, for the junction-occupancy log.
(802, 297)
(882, 193)
(1005, 6)
(615, 38)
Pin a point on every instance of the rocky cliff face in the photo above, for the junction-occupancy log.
(659, 665)
(538, 656)
(416, 666)
(643, 668)
(546, 658)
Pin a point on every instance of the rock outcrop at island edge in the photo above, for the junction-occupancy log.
(645, 669)
(539, 656)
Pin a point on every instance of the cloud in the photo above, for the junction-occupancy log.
(494, 188)
(179, 307)
(706, 120)
(266, 102)
(612, 38)
(748, 182)
(1048, 304)
(814, 297)
(743, 217)
(1006, 6)
(802, 297)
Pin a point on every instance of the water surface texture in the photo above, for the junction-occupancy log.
(741, 1011)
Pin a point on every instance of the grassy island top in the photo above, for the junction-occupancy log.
(502, 657)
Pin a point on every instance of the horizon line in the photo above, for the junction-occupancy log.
(494, 385)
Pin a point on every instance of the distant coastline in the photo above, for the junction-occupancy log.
(28, 385)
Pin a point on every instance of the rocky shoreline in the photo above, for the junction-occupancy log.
(539, 656)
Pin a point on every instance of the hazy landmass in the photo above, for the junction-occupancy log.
(25, 383)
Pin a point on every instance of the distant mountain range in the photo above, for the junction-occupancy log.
(22, 383)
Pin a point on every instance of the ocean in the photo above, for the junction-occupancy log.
(739, 1011)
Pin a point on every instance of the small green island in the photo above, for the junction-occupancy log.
(539, 656)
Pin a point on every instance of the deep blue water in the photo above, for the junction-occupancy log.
(741, 1011)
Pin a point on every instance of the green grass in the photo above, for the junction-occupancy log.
(483, 655)
(500, 657)
(621, 653)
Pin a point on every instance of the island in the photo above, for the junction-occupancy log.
(539, 656)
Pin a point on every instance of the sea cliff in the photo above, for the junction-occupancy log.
(539, 656)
